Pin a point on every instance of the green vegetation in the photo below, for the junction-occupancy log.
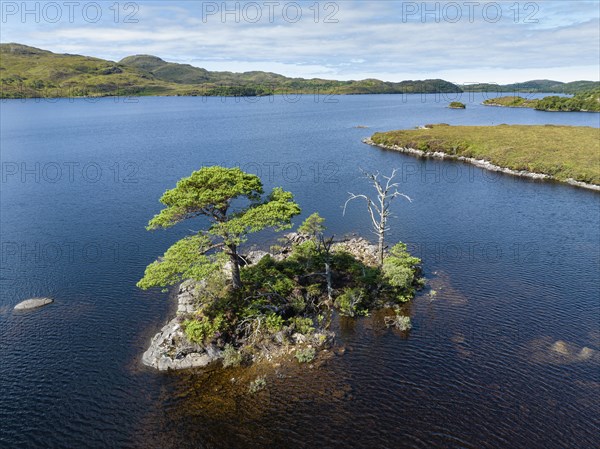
(27, 72)
(457, 105)
(312, 226)
(258, 384)
(398, 271)
(534, 86)
(587, 101)
(203, 329)
(564, 152)
(305, 355)
(210, 192)
(352, 302)
(282, 299)
(231, 357)
(511, 102)
(399, 321)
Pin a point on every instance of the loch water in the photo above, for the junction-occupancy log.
(505, 354)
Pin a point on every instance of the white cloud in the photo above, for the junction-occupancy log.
(371, 39)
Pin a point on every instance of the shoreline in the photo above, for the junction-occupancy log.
(171, 95)
(482, 163)
(495, 105)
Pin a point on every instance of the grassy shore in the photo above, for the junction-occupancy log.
(563, 152)
(586, 101)
(511, 102)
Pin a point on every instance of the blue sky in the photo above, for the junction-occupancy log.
(391, 40)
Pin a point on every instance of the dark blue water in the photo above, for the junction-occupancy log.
(515, 264)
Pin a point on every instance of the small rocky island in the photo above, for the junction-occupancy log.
(298, 329)
(511, 102)
(457, 105)
(241, 307)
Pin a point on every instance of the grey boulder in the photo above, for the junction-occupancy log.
(33, 303)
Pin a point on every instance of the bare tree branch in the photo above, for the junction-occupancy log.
(379, 209)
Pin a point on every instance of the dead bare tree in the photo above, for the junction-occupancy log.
(379, 209)
(324, 246)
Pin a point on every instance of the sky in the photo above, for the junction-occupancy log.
(462, 42)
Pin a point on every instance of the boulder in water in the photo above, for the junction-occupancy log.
(33, 303)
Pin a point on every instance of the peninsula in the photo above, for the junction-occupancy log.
(564, 153)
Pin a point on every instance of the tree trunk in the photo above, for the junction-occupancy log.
(236, 280)
(382, 219)
(380, 246)
(329, 281)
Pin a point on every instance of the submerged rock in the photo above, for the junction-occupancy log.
(560, 352)
(33, 303)
(560, 347)
(586, 353)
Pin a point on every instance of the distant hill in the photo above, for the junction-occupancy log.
(586, 101)
(27, 72)
(176, 73)
(30, 72)
(535, 86)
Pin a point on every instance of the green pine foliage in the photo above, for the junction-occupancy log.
(210, 192)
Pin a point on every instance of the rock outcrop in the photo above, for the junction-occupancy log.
(33, 303)
(358, 247)
(170, 349)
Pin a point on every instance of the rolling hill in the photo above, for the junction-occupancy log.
(535, 86)
(28, 72)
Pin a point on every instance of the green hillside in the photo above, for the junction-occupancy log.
(30, 72)
(586, 101)
(27, 72)
(535, 86)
